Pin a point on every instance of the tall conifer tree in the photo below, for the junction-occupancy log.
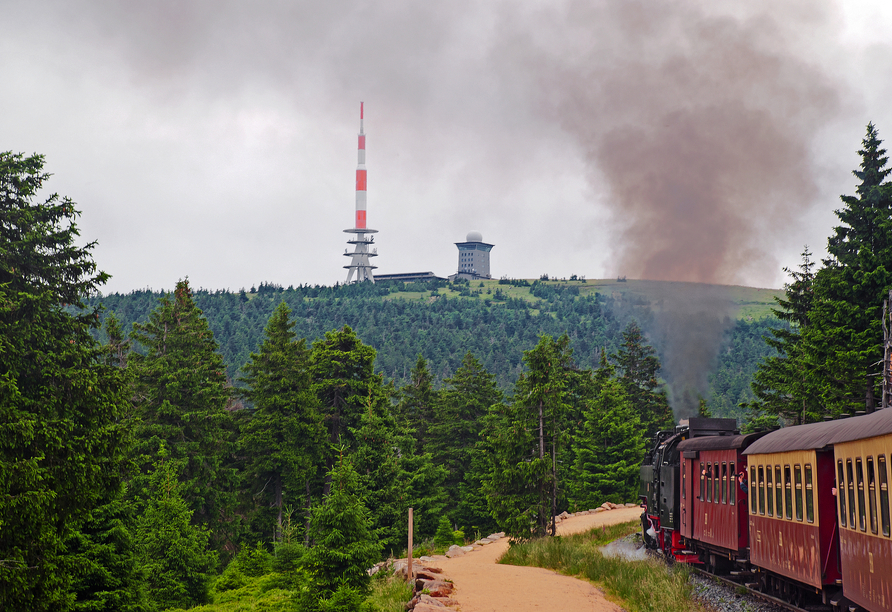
(526, 440)
(455, 428)
(282, 436)
(343, 378)
(639, 370)
(782, 385)
(182, 396)
(844, 338)
(63, 434)
(608, 448)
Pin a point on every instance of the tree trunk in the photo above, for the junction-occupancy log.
(279, 506)
(541, 526)
(308, 515)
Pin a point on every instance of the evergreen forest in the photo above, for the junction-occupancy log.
(180, 449)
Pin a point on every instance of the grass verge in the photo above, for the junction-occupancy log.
(390, 593)
(642, 586)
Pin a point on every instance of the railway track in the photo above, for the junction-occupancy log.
(763, 596)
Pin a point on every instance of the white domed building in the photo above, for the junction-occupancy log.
(473, 258)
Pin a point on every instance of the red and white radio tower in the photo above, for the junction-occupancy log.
(359, 262)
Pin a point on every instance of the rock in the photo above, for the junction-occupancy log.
(454, 551)
(440, 602)
(429, 573)
(467, 548)
(435, 588)
(599, 510)
(426, 607)
(630, 505)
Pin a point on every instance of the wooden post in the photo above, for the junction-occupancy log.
(409, 574)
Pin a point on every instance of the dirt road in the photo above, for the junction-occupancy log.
(482, 585)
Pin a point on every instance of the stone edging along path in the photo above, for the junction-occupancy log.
(435, 590)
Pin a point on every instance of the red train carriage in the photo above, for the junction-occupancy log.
(792, 511)
(713, 509)
(863, 452)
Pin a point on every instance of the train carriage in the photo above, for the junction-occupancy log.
(713, 511)
(792, 510)
(863, 453)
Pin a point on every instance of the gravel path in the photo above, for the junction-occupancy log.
(482, 585)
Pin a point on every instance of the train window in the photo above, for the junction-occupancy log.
(724, 483)
(859, 474)
(769, 492)
(732, 477)
(761, 489)
(884, 494)
(797, 472)
(788, 493)
(872, 495)
(778, 492)
(841, 492)
(716, 482)
(753, 509)
(850, 485)
(709, 483)
(684, 479)
(702, 482)
(809, 495)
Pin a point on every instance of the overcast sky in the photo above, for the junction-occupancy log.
(215, 139)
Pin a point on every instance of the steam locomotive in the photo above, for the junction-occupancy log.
(801, 513)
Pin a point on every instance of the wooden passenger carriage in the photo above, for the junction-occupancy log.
(863, 455)
(713, 510)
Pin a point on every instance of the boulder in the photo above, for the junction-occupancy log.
(599, 510)
(630, 505)
(441, 602)
(435, 588)
(454, 551)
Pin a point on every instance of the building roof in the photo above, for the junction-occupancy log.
(408, 276)
(719, 442)
(820, 435)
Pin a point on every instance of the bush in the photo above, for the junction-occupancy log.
(254, 562)
(444, 536)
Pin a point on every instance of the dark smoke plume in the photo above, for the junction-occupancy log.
(698, 126)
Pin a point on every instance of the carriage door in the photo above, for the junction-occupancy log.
(688, 491)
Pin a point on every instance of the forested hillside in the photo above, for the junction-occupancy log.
(494, 320)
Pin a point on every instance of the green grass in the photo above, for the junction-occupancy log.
(747, 303)
(389, 593)
(640, 586)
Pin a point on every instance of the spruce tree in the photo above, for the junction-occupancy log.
(105, 551)
(455, 428)
(63, 433)
(173, 552)
(639, 371)
(526, 440)
(417, 401)
(344, 545)
(182, 396)
(844, 340)
(282, 436)
(781, 384)
(343, 377)
(608, 450)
